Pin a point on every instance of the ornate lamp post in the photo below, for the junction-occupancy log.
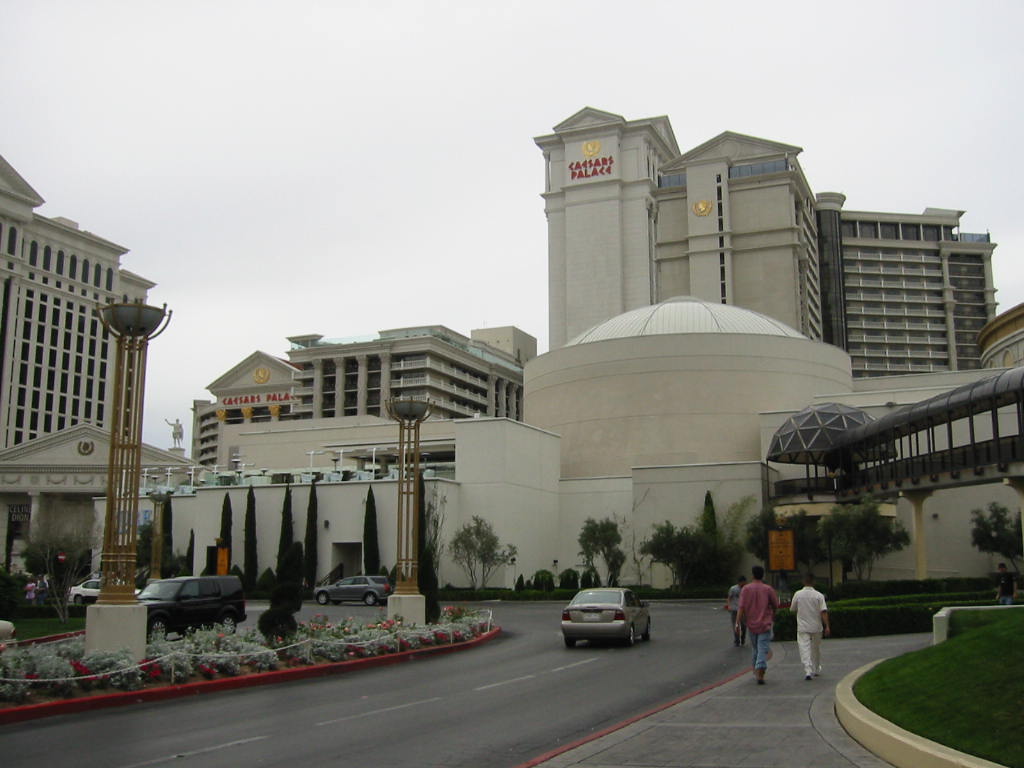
(407, 601)
(132, 325)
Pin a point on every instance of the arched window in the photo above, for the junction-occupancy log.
(47, 253)
(85, 270)
(12, 240)
(33, 253)
(97, 276)
(110, 279)
(60, 262)
(73, 269)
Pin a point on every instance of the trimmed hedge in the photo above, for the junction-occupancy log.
(858, 602)
(48, 611)
(565, 595)
(864, 621)
(853, 589)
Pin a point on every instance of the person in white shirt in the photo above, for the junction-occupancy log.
(808, 605)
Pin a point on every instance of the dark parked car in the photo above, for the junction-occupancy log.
(606, 613)
(185, 602)
(367, 589)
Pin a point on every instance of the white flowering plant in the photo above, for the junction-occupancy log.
(62, 668)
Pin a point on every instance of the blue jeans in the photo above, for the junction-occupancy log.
(1006, 599)
(760, 646)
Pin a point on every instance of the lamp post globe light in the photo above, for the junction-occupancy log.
(407, 601)
(117, 620)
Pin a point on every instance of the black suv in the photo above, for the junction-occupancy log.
(185, 602)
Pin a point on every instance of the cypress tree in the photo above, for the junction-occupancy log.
(426, 573)
(252, 568)
(166, 530)
(309, 563)
(190, 553)
(371, 549)
(708, 523)
(284, 541)
(225, 525)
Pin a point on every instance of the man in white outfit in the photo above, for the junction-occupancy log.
(808, 605)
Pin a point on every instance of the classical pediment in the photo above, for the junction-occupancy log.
(258, 372)
(588, 117)
(734, 147)
(83, 445)
(17, 198)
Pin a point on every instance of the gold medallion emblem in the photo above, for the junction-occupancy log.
(261, 375)
(591, 148)
(702, 207)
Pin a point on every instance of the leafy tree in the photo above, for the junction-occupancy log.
(427, 571)
(810, 550)
(63, 551)
(681, 549)
(371, 546)
(602, 538)
(251, 552)
(476, 548)
(756, 540)
(143, 546)
(859, 535)
(520, 583)
(226, 524)
(286, 537)
(310, 561)
(995, 532)
(544, 580)
(590, 578)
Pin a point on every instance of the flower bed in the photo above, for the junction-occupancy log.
(62, 670)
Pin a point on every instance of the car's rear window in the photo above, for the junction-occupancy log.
(608, 596)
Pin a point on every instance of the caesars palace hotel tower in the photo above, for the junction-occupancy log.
(632, 222)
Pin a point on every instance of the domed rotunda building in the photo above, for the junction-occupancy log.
(677, 383)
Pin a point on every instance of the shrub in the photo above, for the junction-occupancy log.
(853, 589)
(544, 580)
(265, 583)
(864, 621)
(520, 583)
(11, 595)
(569, 579)
(276, 622)
(287, 597)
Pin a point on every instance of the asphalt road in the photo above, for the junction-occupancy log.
(501, 704)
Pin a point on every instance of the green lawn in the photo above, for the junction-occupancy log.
(966, 693)
(29, 628)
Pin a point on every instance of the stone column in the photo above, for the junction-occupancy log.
(318, 388)
(917, 499)
(502, 398)
(385, 378)
(361, 386)
(491, 394)
(513, 400)
(339, 386)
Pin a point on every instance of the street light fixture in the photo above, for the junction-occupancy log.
(407, 601)
(132, 324)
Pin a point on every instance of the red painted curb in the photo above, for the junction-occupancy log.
(123, 698)
(540, 759)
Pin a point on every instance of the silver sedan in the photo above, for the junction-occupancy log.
(606, 613)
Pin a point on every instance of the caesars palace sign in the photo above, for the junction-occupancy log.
(591, 165)
(257, 399)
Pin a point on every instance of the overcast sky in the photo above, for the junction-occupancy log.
(281, 168)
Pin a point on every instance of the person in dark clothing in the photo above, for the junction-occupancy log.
(1006, 592)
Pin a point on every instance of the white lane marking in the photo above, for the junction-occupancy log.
(379, 711)
(504, 682)
(574, 664)
(195, 752)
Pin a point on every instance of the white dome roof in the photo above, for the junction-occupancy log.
(685, 314)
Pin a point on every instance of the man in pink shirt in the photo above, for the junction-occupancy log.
(758, 603)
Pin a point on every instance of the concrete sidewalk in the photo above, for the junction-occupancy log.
(787, 723)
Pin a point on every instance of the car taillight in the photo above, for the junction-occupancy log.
(565, 615)
(620, 615)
